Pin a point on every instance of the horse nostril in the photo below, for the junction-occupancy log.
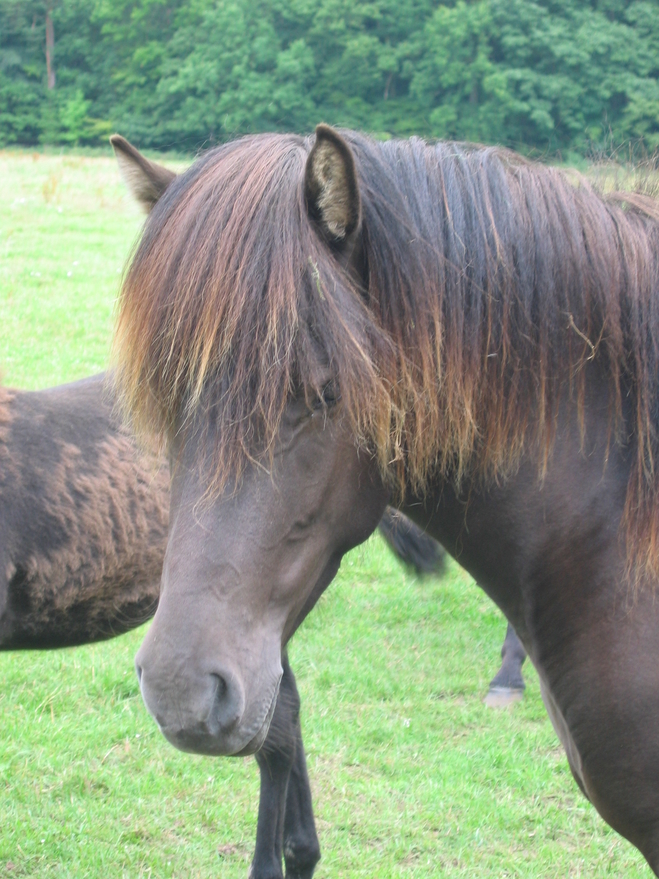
(221, 688)
(228, 701)
(138, 672)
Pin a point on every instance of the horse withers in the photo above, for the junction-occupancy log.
(317, 326)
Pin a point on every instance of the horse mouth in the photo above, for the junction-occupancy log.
(201, 738)
(257, 741)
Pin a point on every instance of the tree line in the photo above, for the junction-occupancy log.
(551, 76)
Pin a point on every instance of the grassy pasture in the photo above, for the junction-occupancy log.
(412, 776)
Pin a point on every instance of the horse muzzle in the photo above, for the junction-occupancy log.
(207, 714)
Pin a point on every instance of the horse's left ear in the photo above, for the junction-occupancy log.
(330, 186)
(146, 180)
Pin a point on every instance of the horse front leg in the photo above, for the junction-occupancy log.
(301, 845)
(508, 686)
(286, 818)
(275, 760)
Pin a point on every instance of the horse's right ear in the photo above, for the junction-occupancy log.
(146, 180)
(330, 186)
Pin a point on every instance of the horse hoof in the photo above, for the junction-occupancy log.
(502, 697)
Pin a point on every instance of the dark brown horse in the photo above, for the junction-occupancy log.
(315, 326)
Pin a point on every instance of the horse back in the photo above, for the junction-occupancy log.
(83, 519)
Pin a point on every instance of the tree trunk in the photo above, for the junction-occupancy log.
(50, 48)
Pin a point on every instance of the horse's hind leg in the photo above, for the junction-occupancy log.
(275, 760)
(507, 686)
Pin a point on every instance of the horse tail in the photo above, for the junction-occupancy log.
(416, 549)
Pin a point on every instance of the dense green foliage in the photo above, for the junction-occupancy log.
(549, 75)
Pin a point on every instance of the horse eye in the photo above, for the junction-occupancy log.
(327, 399)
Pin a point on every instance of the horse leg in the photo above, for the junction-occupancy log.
(285, 809)
(301, 846)
(275, 760)
(507, 686)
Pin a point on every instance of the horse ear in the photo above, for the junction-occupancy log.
(330, 186)
(146, 180)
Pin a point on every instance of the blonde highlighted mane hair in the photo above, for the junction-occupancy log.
(492, 282)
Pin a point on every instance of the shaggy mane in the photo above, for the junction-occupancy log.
(492, 282)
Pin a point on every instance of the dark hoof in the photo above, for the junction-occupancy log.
(271, 872)
(301, 871)
(502, 697)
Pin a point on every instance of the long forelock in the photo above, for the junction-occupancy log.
(232, 287)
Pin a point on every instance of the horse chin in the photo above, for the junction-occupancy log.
(256, 743)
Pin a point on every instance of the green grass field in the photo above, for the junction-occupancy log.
(412, 776)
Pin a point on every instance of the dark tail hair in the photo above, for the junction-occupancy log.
(412, 545)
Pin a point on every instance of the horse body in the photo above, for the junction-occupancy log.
(84, 517)
(548, 552)
(83, 520)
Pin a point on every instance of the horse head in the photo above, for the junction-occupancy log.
(245, 565)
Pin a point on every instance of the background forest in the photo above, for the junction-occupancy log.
(568, 77)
